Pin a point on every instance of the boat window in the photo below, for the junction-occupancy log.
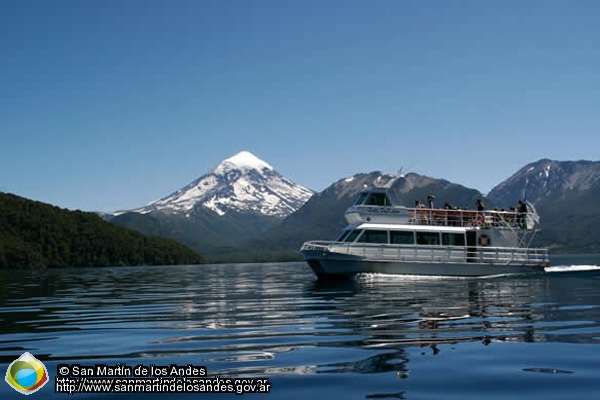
(374, 237)
(352, 235)
(378, 199)
(360, 198)
(400, 237)
(428, 238)
(453, 239)
(342, 235)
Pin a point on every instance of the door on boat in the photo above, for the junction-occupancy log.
(471, 246)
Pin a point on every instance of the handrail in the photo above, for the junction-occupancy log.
(446, 217)
(432, 253)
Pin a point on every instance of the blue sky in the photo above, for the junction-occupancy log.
(112, 104)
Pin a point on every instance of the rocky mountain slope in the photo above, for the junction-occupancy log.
(565, 194)
(545, 180)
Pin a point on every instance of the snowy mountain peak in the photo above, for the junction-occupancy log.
(244, 160)
(242, 183)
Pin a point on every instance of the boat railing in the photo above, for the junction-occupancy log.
(453, 217)
(433, 253)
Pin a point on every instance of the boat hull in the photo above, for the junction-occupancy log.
(345, 265)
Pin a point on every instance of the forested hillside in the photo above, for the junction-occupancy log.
(34, 234)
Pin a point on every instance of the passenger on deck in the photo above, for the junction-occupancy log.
(480, 205)
(480, 216)
(421, 216)
(522, 212)
(454, 216)
(430, 200)
(522, 206)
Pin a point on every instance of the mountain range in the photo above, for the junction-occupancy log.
(244, 210)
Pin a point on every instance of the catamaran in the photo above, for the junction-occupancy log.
(385, 238)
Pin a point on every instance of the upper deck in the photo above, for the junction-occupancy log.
(441, 217)
(373, 205)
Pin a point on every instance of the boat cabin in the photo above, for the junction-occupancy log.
(418, 235)
(372, 197)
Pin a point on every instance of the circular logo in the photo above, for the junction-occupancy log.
(26, 374)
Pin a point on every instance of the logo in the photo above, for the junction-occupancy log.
(26, 374)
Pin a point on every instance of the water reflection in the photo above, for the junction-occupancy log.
(273, 319)
(391, 314)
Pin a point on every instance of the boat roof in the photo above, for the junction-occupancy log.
(405, 227)
(374, 189)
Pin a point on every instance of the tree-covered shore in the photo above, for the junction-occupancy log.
(35, 234)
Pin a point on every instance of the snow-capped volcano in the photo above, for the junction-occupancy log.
(242, 183)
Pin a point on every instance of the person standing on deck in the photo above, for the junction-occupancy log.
(430, 200)
(480, 205)
(480, 210)
(522, 209)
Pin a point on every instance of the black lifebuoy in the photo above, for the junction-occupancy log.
(484, 240)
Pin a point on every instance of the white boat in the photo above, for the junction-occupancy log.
(384, 238)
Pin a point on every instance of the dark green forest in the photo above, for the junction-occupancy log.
(35, 234)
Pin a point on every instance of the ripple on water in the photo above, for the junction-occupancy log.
(277, 320)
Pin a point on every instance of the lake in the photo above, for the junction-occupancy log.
(372, 337)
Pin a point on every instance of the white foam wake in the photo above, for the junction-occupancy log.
(572, 268)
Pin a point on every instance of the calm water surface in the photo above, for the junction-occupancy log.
(374, 337)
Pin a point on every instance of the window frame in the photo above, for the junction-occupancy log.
(429, 234)
(412, 233)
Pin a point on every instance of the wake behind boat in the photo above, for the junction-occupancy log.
(384, 238)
